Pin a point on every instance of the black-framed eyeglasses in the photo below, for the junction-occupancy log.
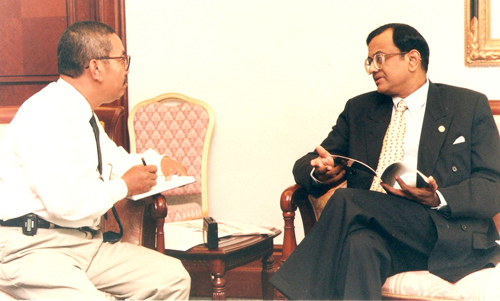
(125, 59)
(378, 60)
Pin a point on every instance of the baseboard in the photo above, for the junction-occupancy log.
(243, 282)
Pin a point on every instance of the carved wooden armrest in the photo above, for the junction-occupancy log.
(159, 211)
(289, 206)
(310, 209)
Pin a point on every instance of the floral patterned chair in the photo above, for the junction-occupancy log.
(414, 285)
(180, 127)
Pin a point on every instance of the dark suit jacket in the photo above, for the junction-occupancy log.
(468, 174)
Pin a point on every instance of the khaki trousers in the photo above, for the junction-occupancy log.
(73, 264)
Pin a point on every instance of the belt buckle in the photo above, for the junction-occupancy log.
(30, 224)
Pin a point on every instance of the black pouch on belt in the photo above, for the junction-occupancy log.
(30, 225)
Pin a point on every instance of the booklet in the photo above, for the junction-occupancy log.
(164, 185)
(409, 175)
(182, 236)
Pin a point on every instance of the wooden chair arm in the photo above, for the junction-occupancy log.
(295, 197)
(159, 211)
(288, 205)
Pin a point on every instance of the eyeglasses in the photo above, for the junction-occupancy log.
(125, 59)
(378, 60)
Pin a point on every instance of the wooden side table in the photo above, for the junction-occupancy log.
(232, 253)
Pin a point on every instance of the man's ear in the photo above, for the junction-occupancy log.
(415, 59)
(95, 70)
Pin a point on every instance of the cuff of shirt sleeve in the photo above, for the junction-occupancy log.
(119, 189)
(442, 201)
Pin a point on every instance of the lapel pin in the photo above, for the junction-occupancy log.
(441, 128)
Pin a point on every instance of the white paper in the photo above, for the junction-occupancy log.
(163, 185)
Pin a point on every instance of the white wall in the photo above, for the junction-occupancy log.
(277, 74)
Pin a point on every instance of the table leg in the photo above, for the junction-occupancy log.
(218, 269)
(267, 272)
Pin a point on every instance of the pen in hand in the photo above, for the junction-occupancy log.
(144, 163)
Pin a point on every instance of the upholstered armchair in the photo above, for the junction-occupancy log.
(415, 285)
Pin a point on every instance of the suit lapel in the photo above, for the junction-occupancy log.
(437, 120)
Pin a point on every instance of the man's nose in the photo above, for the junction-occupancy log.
(372, 69)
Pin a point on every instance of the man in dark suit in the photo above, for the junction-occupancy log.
(365, 236)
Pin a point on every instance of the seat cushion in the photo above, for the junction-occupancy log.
(422, 285)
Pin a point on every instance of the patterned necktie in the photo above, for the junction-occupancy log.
(392, 148)
(108, 236)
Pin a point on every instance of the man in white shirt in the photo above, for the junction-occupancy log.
(53, 171)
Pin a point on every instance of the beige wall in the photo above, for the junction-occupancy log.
(277, 74)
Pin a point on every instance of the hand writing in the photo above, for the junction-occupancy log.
(140, 179)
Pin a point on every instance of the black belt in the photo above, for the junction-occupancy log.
(20, 222)
(31, 222)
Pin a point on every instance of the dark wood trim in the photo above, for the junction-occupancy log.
(495, 106)
(112, 12)
(19, 84)
(27, 79)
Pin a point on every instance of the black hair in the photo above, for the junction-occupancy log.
(406, 38)
(81, 42)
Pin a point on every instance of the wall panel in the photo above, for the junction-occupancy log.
(30, 30)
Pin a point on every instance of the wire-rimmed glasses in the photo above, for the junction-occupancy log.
(125, 59)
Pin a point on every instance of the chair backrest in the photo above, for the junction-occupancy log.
(180, 127)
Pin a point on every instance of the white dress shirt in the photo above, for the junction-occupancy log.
(48, 161)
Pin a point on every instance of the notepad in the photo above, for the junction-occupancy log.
(164, 185)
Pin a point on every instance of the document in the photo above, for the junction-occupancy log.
(182, 236)
(164, 185)
(409, 175)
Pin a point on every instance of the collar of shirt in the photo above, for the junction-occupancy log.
(415, 101)
(77, 98)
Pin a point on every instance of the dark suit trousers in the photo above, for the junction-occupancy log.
(361, 238)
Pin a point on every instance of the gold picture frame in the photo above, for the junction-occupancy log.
(480, 48)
